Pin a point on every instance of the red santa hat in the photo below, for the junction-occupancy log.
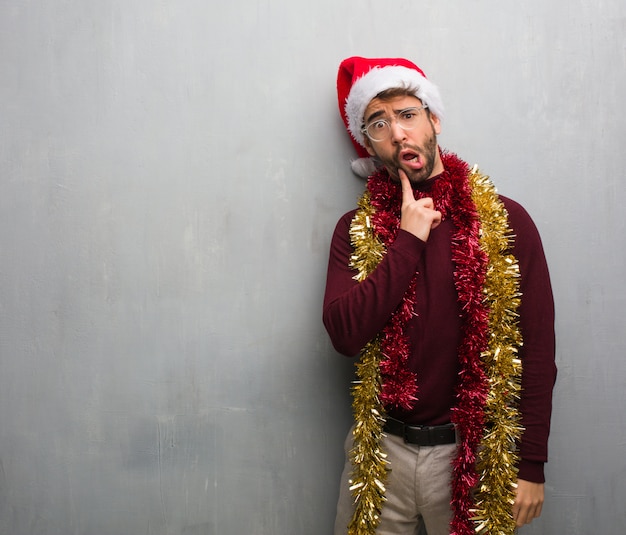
(360, 79)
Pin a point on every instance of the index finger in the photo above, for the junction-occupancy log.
(407, 190)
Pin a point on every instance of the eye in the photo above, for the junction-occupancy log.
(408, 114)
(378, 125)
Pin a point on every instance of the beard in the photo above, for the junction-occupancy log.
(427, 153)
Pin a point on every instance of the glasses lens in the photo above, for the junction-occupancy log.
(408, 118)
(378, 130)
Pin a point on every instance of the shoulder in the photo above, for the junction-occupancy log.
(519, 218)
(345, 220)
(341, 233)
(526, 238)
(513, 207)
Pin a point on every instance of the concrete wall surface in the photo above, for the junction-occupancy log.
(170, 176)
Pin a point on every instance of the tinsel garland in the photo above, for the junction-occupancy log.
(497, 458)
(485, 414)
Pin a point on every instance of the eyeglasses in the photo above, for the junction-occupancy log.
(380, 129)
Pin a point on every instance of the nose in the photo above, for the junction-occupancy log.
(398, 134)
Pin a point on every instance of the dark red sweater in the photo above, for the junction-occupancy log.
(355, 312)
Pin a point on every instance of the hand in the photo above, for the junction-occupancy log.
(528, 502)
(418, 217)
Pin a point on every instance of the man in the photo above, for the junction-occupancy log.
(442, 287)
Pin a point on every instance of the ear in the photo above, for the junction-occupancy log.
(436, 122)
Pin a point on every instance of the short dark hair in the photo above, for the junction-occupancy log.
(400, 91)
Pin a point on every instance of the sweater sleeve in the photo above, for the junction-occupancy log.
(353, 313)
(538, 350)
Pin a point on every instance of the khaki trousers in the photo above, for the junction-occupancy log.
(418, 489)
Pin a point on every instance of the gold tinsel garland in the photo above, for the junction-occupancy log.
(497, 456)
(369, 461)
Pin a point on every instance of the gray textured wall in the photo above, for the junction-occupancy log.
(170, 175)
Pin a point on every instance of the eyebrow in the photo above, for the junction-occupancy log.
(374, 116)
(378, 113)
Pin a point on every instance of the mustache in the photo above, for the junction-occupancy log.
(413, 148)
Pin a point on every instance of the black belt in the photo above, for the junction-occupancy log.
(422, 435)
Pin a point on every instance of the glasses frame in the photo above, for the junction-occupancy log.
(416, 109)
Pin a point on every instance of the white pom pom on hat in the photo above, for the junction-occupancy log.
(364, 167)
(360, 79)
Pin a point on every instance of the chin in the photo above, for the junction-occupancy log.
(419, 178)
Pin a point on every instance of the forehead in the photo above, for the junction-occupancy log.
(389, 106)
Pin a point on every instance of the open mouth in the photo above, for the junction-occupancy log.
(411, 158)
